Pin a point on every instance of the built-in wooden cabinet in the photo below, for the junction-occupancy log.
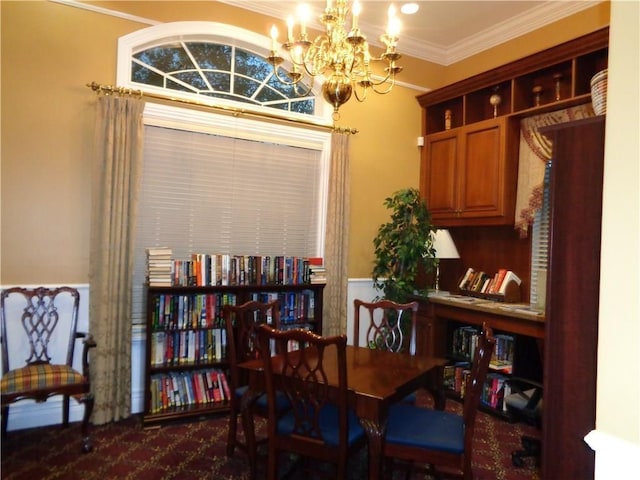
(470, 173)
(469, 163)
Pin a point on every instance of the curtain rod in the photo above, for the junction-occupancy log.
(114, 90)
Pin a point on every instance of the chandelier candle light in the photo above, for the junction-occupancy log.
(339, 55)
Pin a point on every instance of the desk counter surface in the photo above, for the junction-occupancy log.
(436, 310)
(524, 311)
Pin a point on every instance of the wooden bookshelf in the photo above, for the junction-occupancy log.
(185, 313)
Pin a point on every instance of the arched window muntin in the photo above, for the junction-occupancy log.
(134, 48)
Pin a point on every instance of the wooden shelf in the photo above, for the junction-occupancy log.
(575, 62)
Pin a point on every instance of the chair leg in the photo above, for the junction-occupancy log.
(272, 464)
(5, 420)
(250, 442)
(65, 411)
(232, 432)
(88, 400)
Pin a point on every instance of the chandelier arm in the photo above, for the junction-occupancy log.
(308, 90)
(385, 91)
(284, 81)
(364, 93)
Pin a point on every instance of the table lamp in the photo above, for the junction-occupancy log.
(444, 248)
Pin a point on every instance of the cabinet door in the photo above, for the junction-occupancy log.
(469, 174)
(482, 174)
(439, 174)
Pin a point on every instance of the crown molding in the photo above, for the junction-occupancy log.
(519, 25)
(536, 18)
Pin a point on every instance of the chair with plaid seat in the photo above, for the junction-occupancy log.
(45, 320)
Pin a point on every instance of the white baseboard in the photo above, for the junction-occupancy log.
(27, 414)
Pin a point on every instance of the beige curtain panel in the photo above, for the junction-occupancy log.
(116, 180)
(334, 314)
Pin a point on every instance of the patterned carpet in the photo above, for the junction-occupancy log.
(196, 451)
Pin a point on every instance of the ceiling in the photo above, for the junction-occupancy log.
(442, 31)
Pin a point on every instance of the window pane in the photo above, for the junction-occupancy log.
(145, 76)
(167, 59)
(220, 82)
(211, 56)
(251, 65)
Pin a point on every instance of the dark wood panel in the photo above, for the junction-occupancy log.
(571, 336)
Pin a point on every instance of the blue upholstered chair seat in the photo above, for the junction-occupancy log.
(425, 428)
(328, 425)
(411, 398)
(282, 402)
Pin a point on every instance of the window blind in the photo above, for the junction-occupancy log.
(207, 193)
(540, 244)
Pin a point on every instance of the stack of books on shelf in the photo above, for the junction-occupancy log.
(493, 391)
(177, 390)
(455, 376)
(159, 267)
(502, 356)
(318, 272)
(204, 269)
(188, 347)
(499, 286)
(464, 342)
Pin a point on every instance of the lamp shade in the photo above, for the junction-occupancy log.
(443, 245)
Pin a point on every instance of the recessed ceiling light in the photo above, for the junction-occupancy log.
(409, 8)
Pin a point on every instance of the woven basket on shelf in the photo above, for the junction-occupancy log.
(599, 92)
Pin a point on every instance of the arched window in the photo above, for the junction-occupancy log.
(214, 64)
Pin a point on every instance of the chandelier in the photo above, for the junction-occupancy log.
(339, 55)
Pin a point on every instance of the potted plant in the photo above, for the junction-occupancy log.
(403, 245)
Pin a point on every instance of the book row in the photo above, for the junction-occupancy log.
(495, 388)
(481, 282)
(465, 340)
(184, 389)
(232, 270)
(194, 311)
(188, 347)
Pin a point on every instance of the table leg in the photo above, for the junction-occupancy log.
(246, 405)
(375, 433)
(435, 387)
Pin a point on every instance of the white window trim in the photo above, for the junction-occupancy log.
(130, 44)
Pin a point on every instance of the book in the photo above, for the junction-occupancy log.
(509, 277)
(463, 285)
(499, 279)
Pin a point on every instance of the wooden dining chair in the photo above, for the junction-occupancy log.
(320, 424)
(241, 322)
(389, 325)
(43, 322)
(437, 438)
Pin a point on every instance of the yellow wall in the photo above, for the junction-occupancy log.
(50, 51)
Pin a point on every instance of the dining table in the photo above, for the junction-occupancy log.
(376, 379)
